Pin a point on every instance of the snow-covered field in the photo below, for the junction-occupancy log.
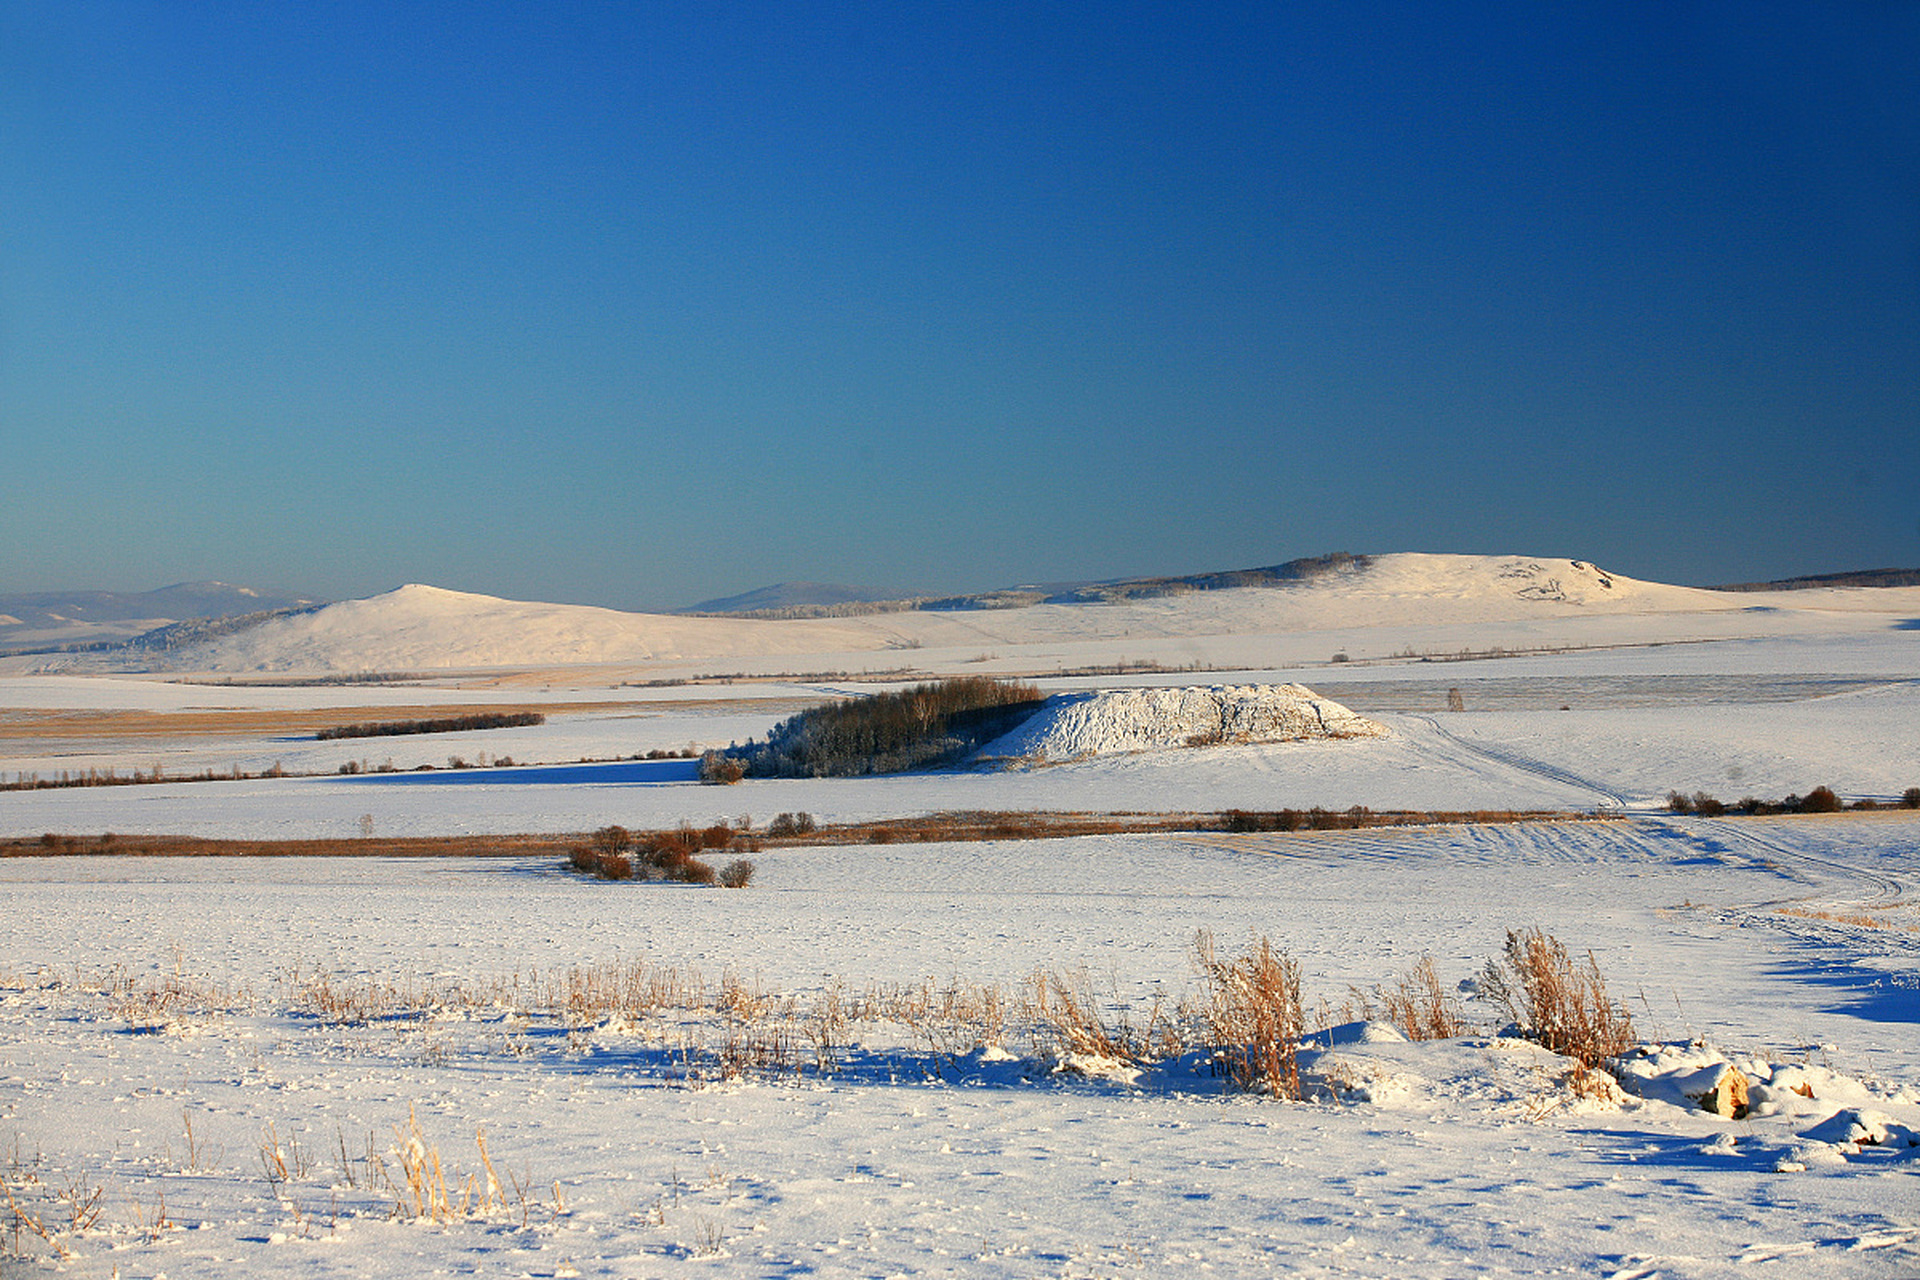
(214, 1067)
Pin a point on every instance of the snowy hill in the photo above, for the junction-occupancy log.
(424, 628)
(1075, 725)
(1378, 606)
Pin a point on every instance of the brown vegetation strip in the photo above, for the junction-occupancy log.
(470, 846)
(248, 721)
(966, 826)
(439, 724)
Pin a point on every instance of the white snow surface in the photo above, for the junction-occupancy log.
(139, 997)
(1071, 726)
(172, 1030)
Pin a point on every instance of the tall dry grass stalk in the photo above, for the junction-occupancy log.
(1420, 1006)
(1252, 1015)
(1065, 1013)
(1563, 1005)
(420, 1191)
(171, 1001)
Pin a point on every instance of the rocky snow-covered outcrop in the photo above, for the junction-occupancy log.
(1080, 724)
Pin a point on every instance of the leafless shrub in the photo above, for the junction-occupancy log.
(737, 874)
(1556, 1002)
(791, 824)
(1821, 800)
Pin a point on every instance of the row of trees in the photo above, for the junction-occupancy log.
(1818, 800)
(922, 727)
(443, 724)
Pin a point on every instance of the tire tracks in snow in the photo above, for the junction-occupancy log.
(1738, 837)
(1514, 760)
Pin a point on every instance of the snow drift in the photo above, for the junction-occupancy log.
(1083, 724)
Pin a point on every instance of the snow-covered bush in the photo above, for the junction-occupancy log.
(720, 769)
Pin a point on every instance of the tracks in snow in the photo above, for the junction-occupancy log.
(1765, 844)
(1805, 852)
(1514, 760)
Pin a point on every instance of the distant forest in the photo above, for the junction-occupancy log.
(1292, 573)
(1861, 578)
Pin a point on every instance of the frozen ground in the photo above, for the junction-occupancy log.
(1469, 1159)
(143, 997)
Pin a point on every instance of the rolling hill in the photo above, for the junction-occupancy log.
(1360, 607)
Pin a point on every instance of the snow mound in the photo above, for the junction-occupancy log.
(1082, 724)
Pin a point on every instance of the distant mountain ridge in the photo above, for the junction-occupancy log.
(1858, 578)
(819, 600)
(782, 598)
(56, 619)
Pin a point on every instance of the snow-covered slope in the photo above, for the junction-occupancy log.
(421, 628)
(1083, 724)
(1485, 600)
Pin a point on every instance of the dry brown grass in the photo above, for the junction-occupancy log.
(341, 1003)
(1249, 1013)
(173, 1001)
(418, 1181)
(1563, 1005)
(1065, 1012)
(1856, 918)
(94, 726)
(1252, 1015)
(1417, 1004)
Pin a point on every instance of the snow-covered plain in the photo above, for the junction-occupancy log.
(141, 996)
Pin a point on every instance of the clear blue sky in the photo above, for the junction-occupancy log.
(636, 304)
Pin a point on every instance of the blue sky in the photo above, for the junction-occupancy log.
(636, 304)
